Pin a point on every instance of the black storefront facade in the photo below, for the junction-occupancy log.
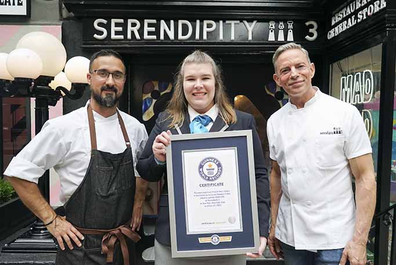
(352, 43)
(360, 60)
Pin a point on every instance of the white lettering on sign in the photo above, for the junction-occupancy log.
(13, 7)
(197, 29)
(181, 30)
(170, 31)
(221, 32)
(250, 28)
(133, 26)
(349, 17)
(368, 122)
(232, 22)
(101, 29)
(313, 33)
(189, 32)
(208, 26)
(115, 28)
(357, 88)
(148, 29)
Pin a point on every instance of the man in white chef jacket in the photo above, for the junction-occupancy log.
(94, 149)
(318, 144)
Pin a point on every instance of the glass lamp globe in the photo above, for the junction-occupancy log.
(24, 63)
(49, 48)
(60, 80)
(76, 69)
(4, 74)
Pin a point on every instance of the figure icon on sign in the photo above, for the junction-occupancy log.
(281, 34)
(290, 36)
(271, 35)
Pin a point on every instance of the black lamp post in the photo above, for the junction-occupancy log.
(27, 72)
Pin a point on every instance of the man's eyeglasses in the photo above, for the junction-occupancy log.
(104, 74)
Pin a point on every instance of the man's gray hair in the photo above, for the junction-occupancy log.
(288, 46)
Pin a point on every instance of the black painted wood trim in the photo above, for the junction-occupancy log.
(161, 9)
(385, 144)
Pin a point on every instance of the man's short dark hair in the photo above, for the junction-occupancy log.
(106, 52)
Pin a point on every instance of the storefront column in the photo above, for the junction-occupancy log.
(385, 145)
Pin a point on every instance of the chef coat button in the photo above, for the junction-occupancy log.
(290, 112)
(309, 203)
(304, 139)
(304, 170)
(290, 171)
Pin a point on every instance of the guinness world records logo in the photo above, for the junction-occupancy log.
(210, 169)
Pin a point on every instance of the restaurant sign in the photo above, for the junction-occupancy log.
(352, 13)
(135, 31)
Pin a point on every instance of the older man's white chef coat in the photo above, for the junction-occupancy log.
(64, 144)
(312, 146)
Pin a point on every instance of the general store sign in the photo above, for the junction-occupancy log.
(132, 31)
(353, 13)
(14, 7)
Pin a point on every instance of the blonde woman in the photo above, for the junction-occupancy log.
(199, 94)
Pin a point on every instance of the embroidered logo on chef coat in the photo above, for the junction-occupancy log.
(210, 169)
(336, 130)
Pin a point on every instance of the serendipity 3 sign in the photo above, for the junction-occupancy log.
(14, 7)
(121, 30)
(352, 14)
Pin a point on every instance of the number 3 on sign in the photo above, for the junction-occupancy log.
(313, 33)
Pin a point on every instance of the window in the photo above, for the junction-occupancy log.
(357, 80)
(15, 130)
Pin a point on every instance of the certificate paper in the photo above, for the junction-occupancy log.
(211, 186)
(210, 177)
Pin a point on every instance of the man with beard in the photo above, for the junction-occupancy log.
(94, 150)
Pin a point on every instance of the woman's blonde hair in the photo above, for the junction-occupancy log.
(178, 105)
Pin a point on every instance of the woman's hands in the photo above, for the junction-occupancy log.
(159, 145)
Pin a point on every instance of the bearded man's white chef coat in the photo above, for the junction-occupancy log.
(64, 144)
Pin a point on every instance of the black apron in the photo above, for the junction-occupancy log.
(101, 207)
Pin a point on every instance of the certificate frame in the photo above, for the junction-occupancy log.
(225, 241)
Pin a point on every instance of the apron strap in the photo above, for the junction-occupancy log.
(110, 237)
(124, 132)
(92, 132)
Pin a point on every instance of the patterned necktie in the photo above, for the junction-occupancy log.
(198, 124)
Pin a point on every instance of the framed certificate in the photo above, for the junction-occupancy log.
(212, 194)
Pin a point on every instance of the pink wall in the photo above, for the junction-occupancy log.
(9, 37)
